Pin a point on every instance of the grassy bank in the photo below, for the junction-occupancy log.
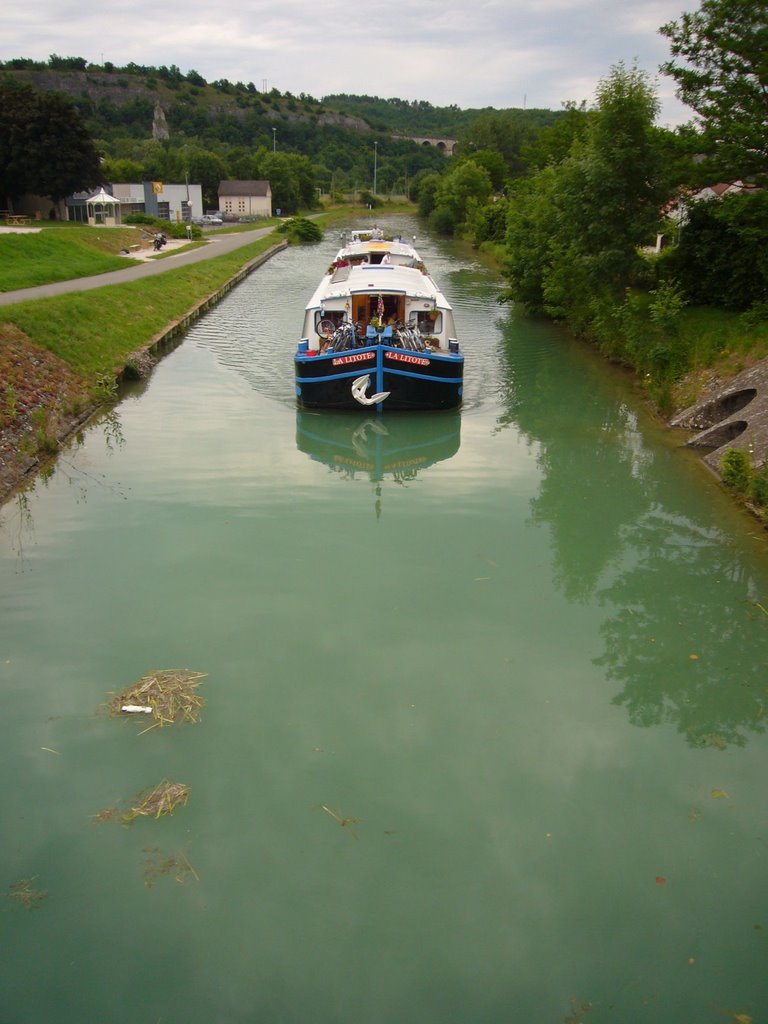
(93, 332)
(715, 344)
(60, 357)
(671, 347)
(56, 254)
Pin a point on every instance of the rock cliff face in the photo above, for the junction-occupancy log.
(159, 124)
(93, 85)
(119, 89)
(356, 124)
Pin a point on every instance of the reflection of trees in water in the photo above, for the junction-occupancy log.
(689, 643)
(593, 486)
(76, 475)
(687, 639)
(114, 438)
(17, 516)
(17, 520)
(597, 471)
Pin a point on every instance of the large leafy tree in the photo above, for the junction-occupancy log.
(458, 193)
(207, 168)
(574, 228)
(291, 178)
(507, 133)
(723, 76)
(45, 147)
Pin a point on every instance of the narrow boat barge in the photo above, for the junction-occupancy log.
(378, 333)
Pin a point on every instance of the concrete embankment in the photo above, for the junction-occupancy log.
(732, 414)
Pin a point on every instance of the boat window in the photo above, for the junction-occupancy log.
(336, 316)
(430, 321)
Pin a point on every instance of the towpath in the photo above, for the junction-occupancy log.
(216, 245)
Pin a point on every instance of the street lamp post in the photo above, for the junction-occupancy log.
(375, 164)
(274, 139)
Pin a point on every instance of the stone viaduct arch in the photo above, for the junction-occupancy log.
(445, 145)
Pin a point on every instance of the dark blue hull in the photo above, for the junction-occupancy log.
(413, 380)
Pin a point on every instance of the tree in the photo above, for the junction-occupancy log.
(122, 170)
(243, 165)
(489, 222)
(721, 259)
(459, 191)
(532, 232)
(292, 179)
(506, 133)
(424, 189)
(45, 148)
(723, 76)
(208, 169)
(575, 227)
(196, 78)
(494, 164)
(622, 180)
(554, 143)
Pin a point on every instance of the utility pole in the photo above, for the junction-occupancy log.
(274, 140)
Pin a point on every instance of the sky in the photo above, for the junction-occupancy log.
(487, 53)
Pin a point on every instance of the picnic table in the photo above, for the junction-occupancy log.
(16, 220)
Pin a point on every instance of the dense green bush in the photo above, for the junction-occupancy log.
(736, 471)
(743, 480)
(722, 259)
(369, 199)
(301, 229)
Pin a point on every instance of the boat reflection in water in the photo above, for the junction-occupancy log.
(397, 448)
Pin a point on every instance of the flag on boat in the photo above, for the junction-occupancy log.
(380, 310)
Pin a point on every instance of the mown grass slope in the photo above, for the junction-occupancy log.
(53, 254)
(94, 331)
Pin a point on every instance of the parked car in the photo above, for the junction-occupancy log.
(208, 218)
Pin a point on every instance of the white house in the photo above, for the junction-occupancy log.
(245, 199)
(677, 209)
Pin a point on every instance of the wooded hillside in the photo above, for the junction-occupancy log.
(222, 129)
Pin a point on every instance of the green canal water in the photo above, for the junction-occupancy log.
(484, 734)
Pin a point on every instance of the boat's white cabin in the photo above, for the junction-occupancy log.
(378, 283)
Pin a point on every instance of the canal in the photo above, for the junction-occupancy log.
(485, 698)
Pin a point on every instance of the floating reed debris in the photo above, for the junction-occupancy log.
(346, 823)
(24, 893)
(108, 814)
(168, 694)
(158, 865)
(163, 799)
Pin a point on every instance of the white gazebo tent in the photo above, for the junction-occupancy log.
(103, 209)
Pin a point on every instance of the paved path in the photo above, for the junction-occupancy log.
(217, 246)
